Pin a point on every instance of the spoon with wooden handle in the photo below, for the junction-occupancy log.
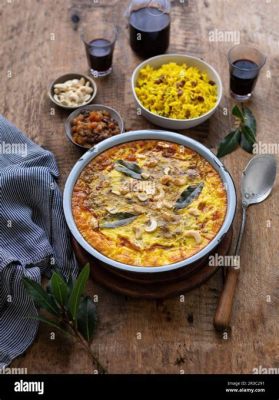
(256, 185)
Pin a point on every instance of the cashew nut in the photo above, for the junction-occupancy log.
(193, 211)
(165, 179)
(152, 163)
(167, 170)
(167, 217)
(142, 196)
(152, 225)
(112, 210)
(195, 234)
(94, 222)
(73, 92)
(145, 175)
(192, 173)
(161, 195)
(116, 192)
(159, 205)
(138, 233)
(164, 145)
(180, 181)
(167, 203)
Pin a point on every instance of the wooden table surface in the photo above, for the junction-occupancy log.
(38, 43)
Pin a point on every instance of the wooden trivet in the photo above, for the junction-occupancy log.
(148, 285)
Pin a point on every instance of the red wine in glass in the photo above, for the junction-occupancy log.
(245, 64)
(99, 54)
(243, 76)
(99, 42)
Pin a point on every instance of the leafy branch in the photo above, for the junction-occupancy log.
(244, 135)
(74, 314)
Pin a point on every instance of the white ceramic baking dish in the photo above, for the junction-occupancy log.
(159, 135)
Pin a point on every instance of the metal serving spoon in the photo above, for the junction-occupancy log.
(256, 185)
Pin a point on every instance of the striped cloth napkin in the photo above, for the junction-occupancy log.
(33, 234)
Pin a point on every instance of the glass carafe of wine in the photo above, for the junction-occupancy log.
(149, 25)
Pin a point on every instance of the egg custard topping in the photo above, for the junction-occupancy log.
(149, 203)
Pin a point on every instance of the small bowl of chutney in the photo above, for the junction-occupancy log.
(89, 125)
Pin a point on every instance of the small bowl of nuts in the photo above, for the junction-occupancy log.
(72, 91)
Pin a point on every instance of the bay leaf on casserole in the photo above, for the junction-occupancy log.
(128, 168)
(118, 219)
(188, 195)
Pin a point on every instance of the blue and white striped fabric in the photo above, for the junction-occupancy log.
(33, 234)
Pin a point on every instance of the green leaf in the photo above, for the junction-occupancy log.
(86, 318)
(245, 134)
(59, 288)
(51, 323)
(70, 282)
(237, 113)
(245, 145)
(229, 143)
(188, 195)
(249, 120)
(131, 165)
(40, 296)
(118, 219)
(128, 168)
(48, 288)
(78, 290)
(247, 139)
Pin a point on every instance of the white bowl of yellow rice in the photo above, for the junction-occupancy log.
(176, 91)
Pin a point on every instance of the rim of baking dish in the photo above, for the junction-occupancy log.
(149, 135)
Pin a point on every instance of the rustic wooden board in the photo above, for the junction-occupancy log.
(175, 335)
(148, 286)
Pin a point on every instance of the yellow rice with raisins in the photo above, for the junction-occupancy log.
(176, 91)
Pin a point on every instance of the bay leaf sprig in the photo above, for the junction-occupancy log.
(72, 313)
(244, 135)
